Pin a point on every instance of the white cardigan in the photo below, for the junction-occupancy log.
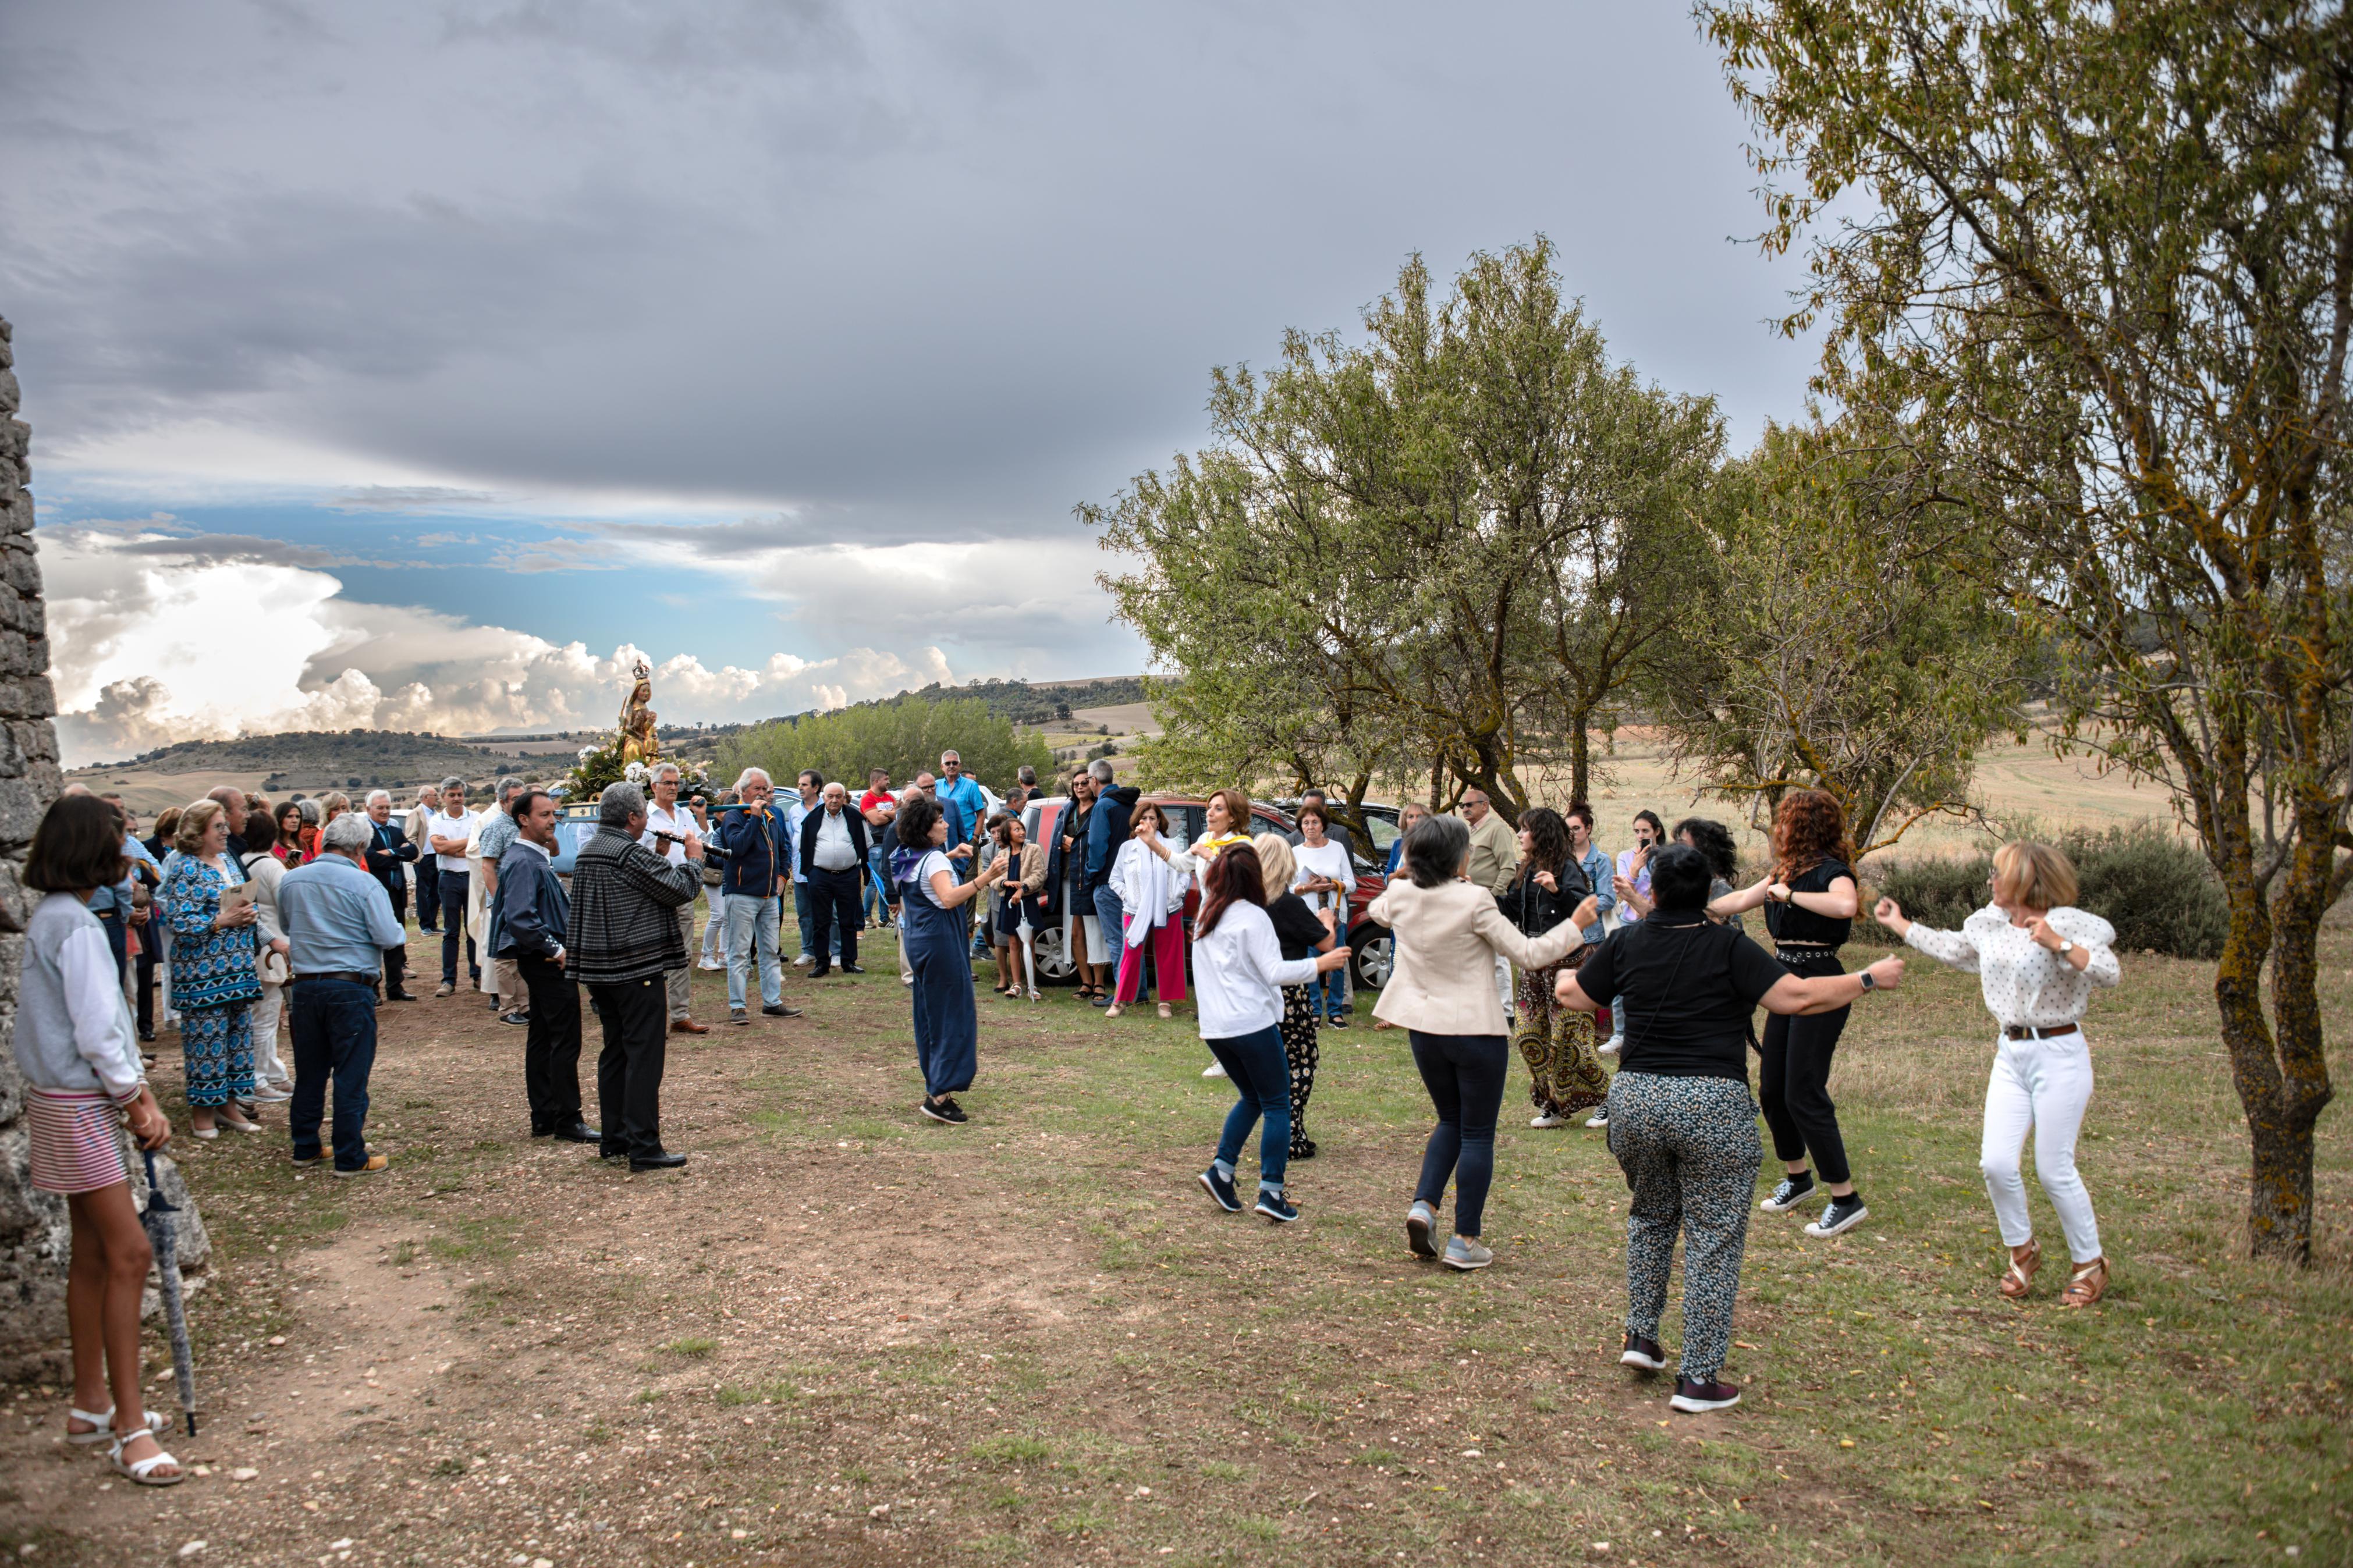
(1238, 974)
(1144, 882)
(1447, 939)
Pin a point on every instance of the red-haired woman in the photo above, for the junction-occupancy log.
(1810, 903)
(1238, 974)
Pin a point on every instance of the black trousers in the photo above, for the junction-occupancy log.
(396, 959)
(142, 975)
(1793, 1085)
(551, 1049)
(635, 1017)
(835, 896)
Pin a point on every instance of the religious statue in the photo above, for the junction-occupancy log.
(639, 743)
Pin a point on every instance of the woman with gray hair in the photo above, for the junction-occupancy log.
(1449, 933)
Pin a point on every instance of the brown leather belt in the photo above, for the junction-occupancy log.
(356, 979)
(2023, 1032)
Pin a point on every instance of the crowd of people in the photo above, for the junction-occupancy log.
(1529, 941)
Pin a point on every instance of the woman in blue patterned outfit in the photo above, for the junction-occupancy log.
(213, 981)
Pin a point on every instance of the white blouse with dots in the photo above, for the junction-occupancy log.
(2026, 985)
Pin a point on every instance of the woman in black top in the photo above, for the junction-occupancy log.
(1680, 1123)
(1300, 932)
(1809, 904)
(1565, 1078)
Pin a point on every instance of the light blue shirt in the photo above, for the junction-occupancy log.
(793, 814)
(338, 919)
(1594, 862)
(117, 898)
(965, 793)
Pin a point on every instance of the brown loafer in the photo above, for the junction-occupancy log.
(688, 1026)
(2018, 1278)
(2087, 1285)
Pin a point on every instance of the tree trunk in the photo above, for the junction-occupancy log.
(2279, 1202)
(1581, 756)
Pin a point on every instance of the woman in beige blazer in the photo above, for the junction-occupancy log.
(1017, 905)
(1448, 934)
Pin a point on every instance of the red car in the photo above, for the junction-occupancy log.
(1187, 825)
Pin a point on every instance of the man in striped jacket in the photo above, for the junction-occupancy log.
(622, 936)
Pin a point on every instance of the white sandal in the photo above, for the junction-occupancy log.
(102, 1425)
(142, 1471)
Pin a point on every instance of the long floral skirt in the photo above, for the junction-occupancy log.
(1565, 1071)
(1299, 1047)
(218, 1044)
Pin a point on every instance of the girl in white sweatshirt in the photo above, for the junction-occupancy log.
(1238, 974)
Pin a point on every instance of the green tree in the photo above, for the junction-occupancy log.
(1852, 649)
(905, 737)
(1447, 547)
(2103, 253)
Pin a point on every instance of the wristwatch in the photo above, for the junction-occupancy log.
(1868, 982)
(2065, 947)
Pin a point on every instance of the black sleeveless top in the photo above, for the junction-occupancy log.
(1788, 922)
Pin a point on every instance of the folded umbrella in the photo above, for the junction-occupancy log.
(165, 1241)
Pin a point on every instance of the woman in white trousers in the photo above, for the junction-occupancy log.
(2037, 959)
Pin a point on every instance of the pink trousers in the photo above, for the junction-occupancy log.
(1168, 945)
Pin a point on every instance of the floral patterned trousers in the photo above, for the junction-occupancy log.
(218, 1043)
(1299, 1047)
(1565, 1071)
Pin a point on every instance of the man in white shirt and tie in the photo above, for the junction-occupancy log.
(670, 826)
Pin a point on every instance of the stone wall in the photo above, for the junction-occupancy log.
(33, 1237)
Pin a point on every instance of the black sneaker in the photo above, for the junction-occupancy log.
(1696, 1398)
(1336, 1022)
(946, 1110)
(1793, 1191)
(1644, 1354)
(1275, 1206)
(1844, 1214)
(1304, 1149)
(519, 1019)
(778, 1010)
(1222, 1190)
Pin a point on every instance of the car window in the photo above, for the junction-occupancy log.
(1184, 826)
(1385, 833)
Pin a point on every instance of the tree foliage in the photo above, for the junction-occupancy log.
(905, 737)
(1444, 550)
(2102, 257)
(1852, 649)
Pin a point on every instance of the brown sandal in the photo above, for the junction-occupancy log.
(2018, 1278)
(2087, 1285)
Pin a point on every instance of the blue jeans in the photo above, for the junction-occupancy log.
(334, 1037)
(1328, 992)
(453, 928)
(1111, 915)
(804, 911)
(1464, 1075)
(877, 877)
(752, 934)
(1261, 1078)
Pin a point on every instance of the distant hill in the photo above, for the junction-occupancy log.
(392, 755)
(1024, 702)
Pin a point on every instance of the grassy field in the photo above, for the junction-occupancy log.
(844, 1334)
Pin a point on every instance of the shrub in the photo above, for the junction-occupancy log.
(2156, 889)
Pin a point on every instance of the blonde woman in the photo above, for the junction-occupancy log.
(2037, 958)
(1301, 932)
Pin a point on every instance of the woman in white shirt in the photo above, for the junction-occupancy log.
(271, 1082)
(2036, 958)
(1325, 880)
(1240, 974)
(1151, 891)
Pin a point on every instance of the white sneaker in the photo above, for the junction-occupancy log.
(712, 965)
(803, 962)
(1547, 1119)
(269, 1094)
(1600, 1119)
(1215, 1069)
(1608, 1047)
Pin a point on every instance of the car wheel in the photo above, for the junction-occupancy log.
(1054, 965)
(1375, 956)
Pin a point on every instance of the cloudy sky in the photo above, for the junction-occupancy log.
(422, 365)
